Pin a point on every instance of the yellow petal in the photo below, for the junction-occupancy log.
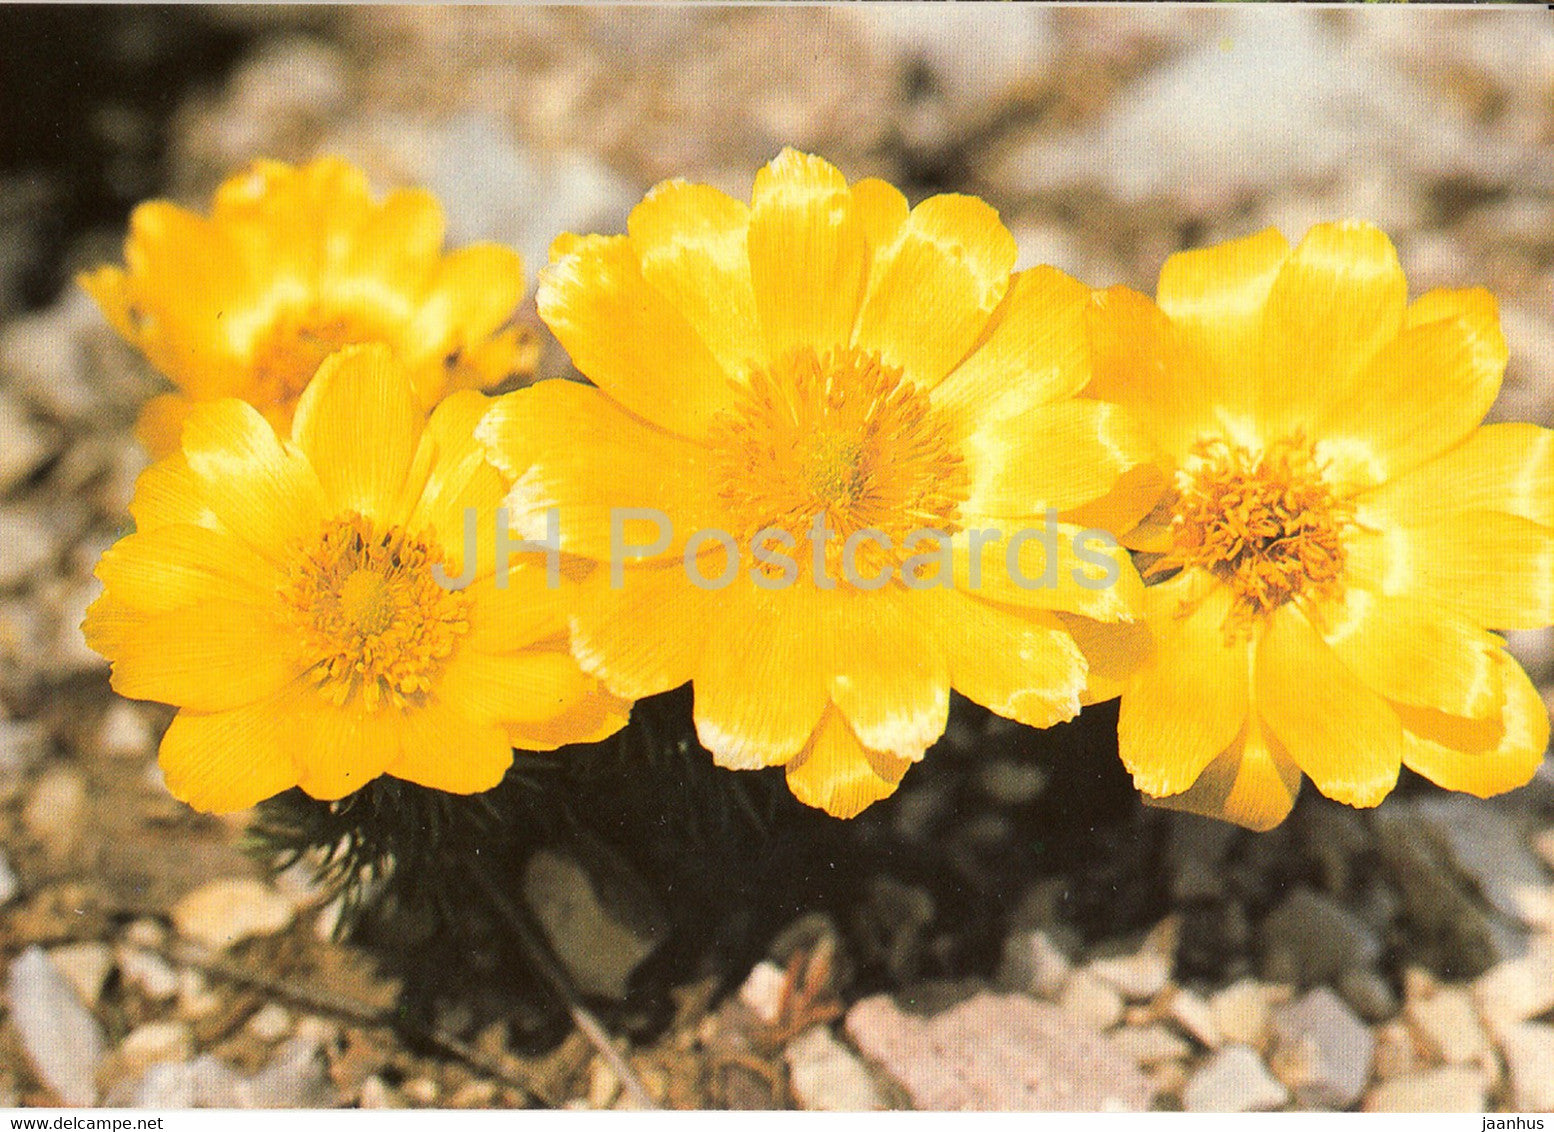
(1215, 296)
(532, 436)
(1188, 701)
(1345, 737)
(646, 636)
(885, 671)
(168, 493)
(339, 750)
(591, 719)
(933, 290)
(265, 494)
(441, 748)
(165, 567)
(837, 774)
(761, 680)
(1494, 569)
(1060, 455)
(1112, 652)
(217, 655)
(1336, 302)
(883, 210)
(1056, 566)
(1500, 467)
(519, 687)
(1033, 350)
(691, 242)
(1415, 654)
(1141, 362)
(1463, 755)
(524, 611)
(1022, 664)
(110, 289)
(629, 339)
(454, 485)
(159, 427)
(1254, 783)
(1426, 390)
(359, 423)
(474, 291)
(390, 254)
(225, 761)
(809, 254)
(1124, 509)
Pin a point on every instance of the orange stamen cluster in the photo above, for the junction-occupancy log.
(373, 620)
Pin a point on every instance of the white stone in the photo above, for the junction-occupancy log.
(826, 1076)
(61, 1037)
(124, 732)
(1195, 1017)
(1448, 1024)
(1543, 845)
(148, 971)
(1517, 989)
(225, 912)
(86, 967)
(196, 999)
(1098, 1004)
(9, 885)
(270, 1022)
(1528, 1048)
(762, 991)
(1244, 1010)
(205, 1082)
(1150, 1045)
(28, 543)
(55, 808)
(1234, 1080)
(153, 1042)
(1452, 1088)
(377, 1095)
(1144, 973)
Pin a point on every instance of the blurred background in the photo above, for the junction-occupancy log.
(1396, 959)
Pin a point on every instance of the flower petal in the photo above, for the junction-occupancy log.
(629, 339)
(452, 484)
(1059, 455)
(1464, 755)
(1188, 701)
(1254, 783)
(473, 292)
(168, 493)
(265, 494)
(159, 427)
(221, 762)
(359, 424)
(809, 254)
(1054, 566)
(1336, 302)
(691, 243)
(1345, 737)
(168, 567)
(532, 436)
(761, 679)
(837, 774)
(339, 750)
(885, 671)
(1500, 467)
(1414, 653)
(1113, 654)
(531, 685)
(645, 636)
(1426, 390)
(1215, 297)
(932, 291)
(591, 719)
(441, 748)
(1032, 350)
(1022, 664)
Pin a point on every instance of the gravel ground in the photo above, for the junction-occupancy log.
(1013, 931)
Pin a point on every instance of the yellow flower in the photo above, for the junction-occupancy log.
(292, 264)
(824, 354)
(282, 593)
(1341, 530)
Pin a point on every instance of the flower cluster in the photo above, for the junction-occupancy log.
(834, 459)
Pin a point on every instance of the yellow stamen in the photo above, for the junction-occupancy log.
(1265, 523)
(839, 435)
(289, 352)
(372, 617)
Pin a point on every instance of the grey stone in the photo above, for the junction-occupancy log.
(1310, 938)
(599, 917)
(296, 1077)
(1033, 964)
(1322, 1051)
(61, 1037)
(1528, 1048)
(1195, 856)
(1490, 846)
(1451, 1088)
(1371, 996)
(205, 1082)
(997, 1053)
(1234, 1080)
(28, 543)
(826, 1076)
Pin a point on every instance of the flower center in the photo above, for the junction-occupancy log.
(292, 348)
(840, 436)
(370, 614)
(1266, 523)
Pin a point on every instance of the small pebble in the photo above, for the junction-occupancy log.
(55, 809)
(1448, 1025)
(1528, 1048)
(225, 912)
(152, 974)
(1195, 1017)
(270, 1023)
(9, 885)
(1234, 1080)
(124, 732)
(1096, 1003)
(1450, 1089)
(154, 1042)
(61, 1037)
(763, 990)
(86, 966)
(1150, 1045)
(826, 1076)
